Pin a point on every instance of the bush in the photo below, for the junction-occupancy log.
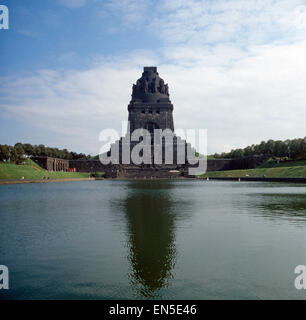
(97, 174)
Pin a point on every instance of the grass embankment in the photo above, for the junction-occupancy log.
(30, 170)
(289, 169)
(282, 164)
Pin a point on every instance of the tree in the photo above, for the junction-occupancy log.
(20, 151)
(249, 151)
(304, 147)
(296, 148)
(28, 149)
(280, 149)
(41, 150)
(18, 145)
(4, 153)
(13, 154)
(293, 149)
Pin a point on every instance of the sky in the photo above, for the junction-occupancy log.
(236, 68)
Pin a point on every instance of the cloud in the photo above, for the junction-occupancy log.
(75, 104)
(129, 13)
(234, 67)
(73, 3)
(259, 96)
(222, 21)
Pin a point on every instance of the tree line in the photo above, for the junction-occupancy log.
(294, 149)
(20, 150)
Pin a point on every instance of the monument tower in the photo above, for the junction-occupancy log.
(159, 151)
(150, 107)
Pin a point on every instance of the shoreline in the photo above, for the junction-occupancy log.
(293, 180)
(296, 180)
(44, 180)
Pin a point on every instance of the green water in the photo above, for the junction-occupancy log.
(153, 239)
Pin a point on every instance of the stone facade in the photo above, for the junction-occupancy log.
(162, 171)
(249, 162)
(92, 166)
(52, 164)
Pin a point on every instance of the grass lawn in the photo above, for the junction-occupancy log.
(274, 164)
(30, 170)
(278, 172)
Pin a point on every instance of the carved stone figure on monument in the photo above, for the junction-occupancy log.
(161, 86)
(146, 87)
(154, 86)
(134, 92)
(166, 90)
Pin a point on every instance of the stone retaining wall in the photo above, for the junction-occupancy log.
(212, 165)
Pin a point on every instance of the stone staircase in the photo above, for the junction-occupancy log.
(144, 172)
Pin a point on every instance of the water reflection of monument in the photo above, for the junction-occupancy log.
(151, 227)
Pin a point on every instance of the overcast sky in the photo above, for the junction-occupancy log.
(235, 67)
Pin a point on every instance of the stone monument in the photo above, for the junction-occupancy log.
(150, 107)
(151, 110)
